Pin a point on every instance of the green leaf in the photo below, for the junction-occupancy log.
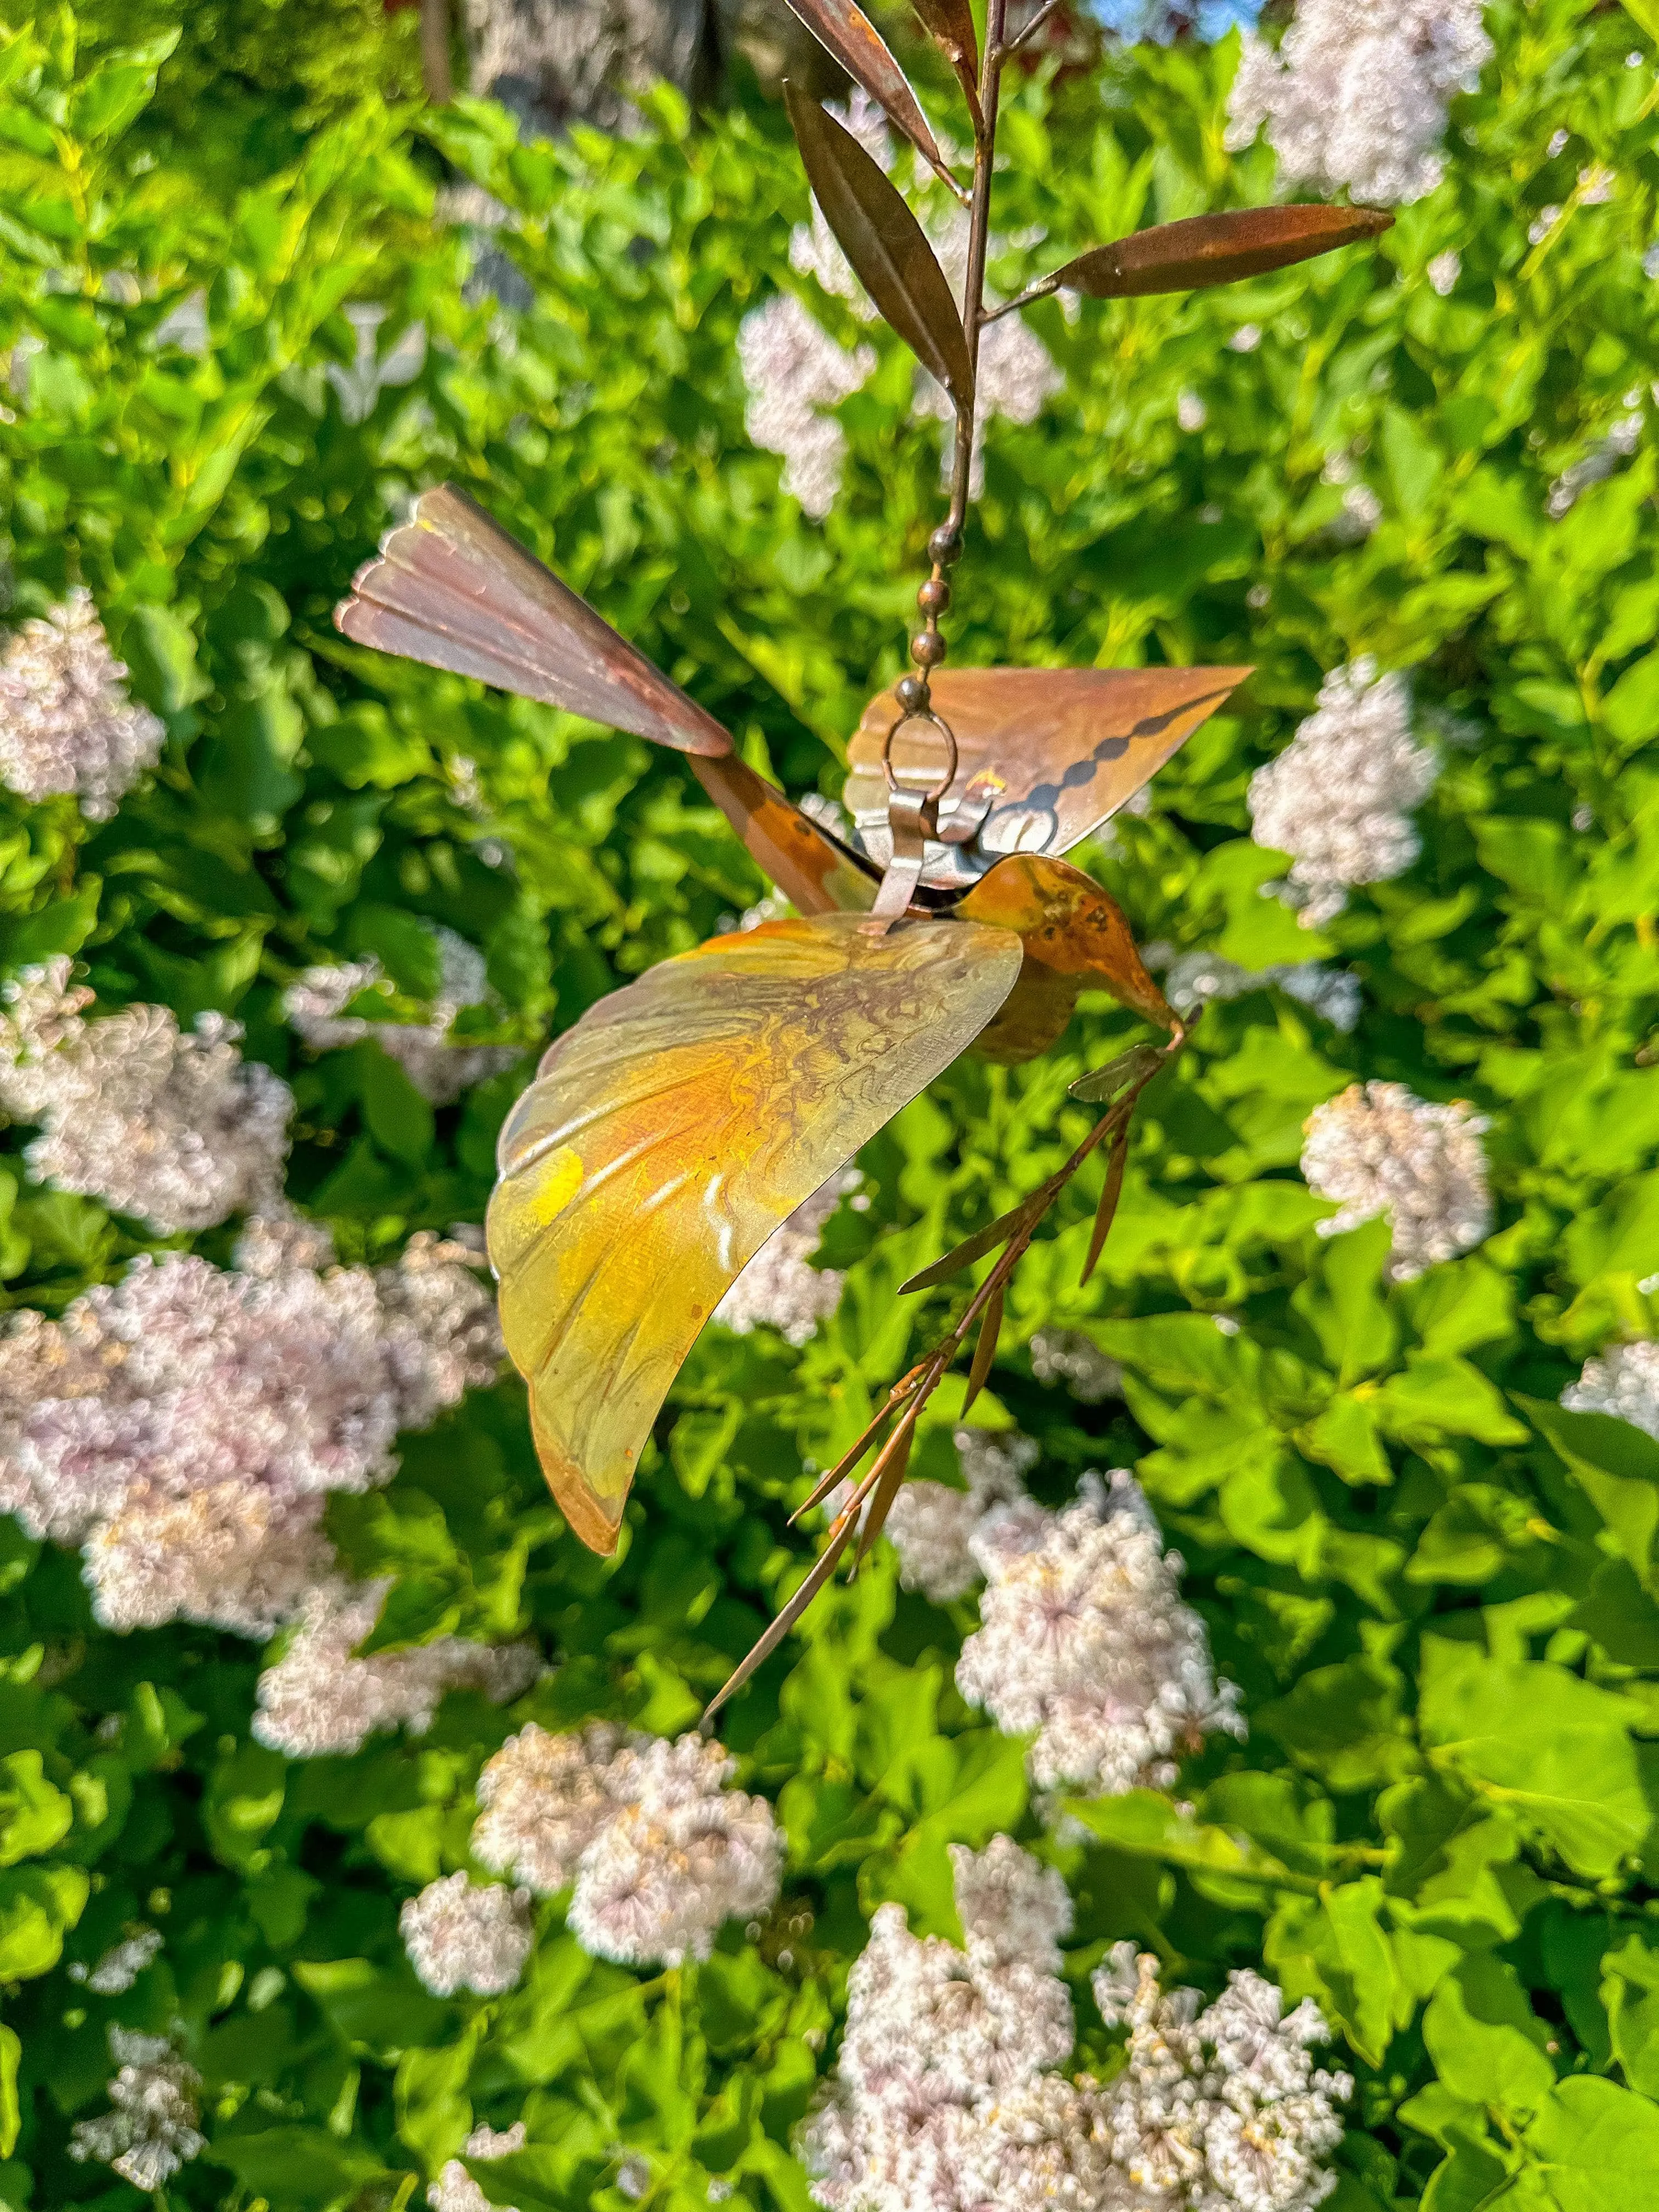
(400, 1119)
(1484, 2039)
(1629, 1992)
(1530, 1737)
(33, 1814)
(11, 2115)
(1615, 1463)
(38, 1906)
(1595, 2146)
(1334, 1947)
(1437, 1398)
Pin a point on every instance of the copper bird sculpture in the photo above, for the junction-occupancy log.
(683, 1118)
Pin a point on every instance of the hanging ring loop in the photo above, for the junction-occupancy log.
(938, 788)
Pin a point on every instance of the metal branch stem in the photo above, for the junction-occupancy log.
(435, 51)
(909, 1394)
(1031, 29)
(979, 239)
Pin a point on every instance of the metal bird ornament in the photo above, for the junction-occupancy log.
(683, 1118)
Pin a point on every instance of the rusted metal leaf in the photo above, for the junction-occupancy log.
(949, 24)
(884, 243)
(453, 589)
(844, 1466)
(990, 1328)
(1215, 249)
(1103, 1083)
(819, 1573)
(1108, 1198)
(988, 1239)
(670, 1131)
(860, 48)
(886, 1475)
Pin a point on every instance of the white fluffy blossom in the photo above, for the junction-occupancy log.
(936, 2038)
(154, 2127)
(1220, 2107)
(659, 1850)
(1357, 92)
(1377, 1148)
(1336, 799)
(1624, 1381)
(1077, 1364)
(66, 721)
(176, 1129)
(438, 1068)
(319, 1698)
(1194, 979)
(455, 2190)
(119, 1967)
(780, 1288)
(794, 372)
(1444, 271)
(186, 1424)
(1086, 1642)
(462, 1934)
(945, 2097)
(932, 1526)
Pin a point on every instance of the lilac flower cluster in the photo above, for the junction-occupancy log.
(186, 1423)
(175, 1128)
(659, 1850)
(66, 721)
(1377, 1148)
(947, 2096)
(1357, 92)
(1085, 1642)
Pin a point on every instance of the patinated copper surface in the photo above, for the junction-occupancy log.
(452, 588)
(670, 1132)
(1045, 755)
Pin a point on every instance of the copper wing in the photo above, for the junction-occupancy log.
(452, 588)
(675, 1127)
(1045, 755)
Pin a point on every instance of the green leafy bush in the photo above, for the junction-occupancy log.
(1436, 1588)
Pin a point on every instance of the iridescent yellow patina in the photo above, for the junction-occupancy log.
(670, 1132)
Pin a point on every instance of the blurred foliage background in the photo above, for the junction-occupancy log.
(250, 303)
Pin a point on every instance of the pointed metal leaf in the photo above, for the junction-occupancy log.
(884, 243)
(857, 45)
(1105, 1212)
(949, 24)
(990, 1328)
(988, 1239)
(1216, 249)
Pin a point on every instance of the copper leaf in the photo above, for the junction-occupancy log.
(1108, 1199)
(884, 243)
(857, 45)
(1216, 249)
(886, 1475)
(949, 24)
(990, 1328)
(1025, 1215)
(1103, 1083)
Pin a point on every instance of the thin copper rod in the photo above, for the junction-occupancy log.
(434, 52)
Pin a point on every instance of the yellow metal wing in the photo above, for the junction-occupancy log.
(675, 1127)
